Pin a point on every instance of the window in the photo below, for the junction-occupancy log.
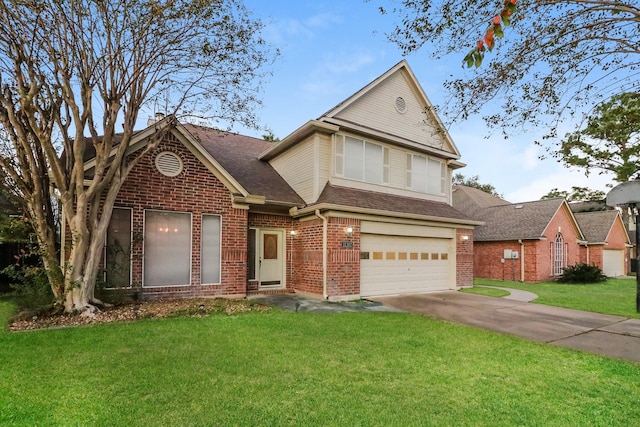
(210, 252)
(252, 257)
(167, 248)
(426, 175)
(118, 249)
(361, 160)
(558, 255)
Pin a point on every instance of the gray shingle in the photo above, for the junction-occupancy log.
(238, 155)
(351, 197)
(596, 225)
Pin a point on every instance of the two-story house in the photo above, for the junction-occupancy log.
(354, 204)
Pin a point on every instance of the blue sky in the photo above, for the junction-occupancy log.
(329, 50)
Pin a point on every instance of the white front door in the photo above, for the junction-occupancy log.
(271, 258)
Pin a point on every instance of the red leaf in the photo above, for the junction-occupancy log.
(496, 19)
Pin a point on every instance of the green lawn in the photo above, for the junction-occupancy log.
(280, 368)
(615, 296)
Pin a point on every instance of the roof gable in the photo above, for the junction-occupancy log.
(597, 226)
(395, 104)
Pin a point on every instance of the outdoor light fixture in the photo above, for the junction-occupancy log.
(293, 233)
(349, 231)
(465, 237)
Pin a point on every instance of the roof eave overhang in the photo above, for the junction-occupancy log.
(312, 126)
(322, 207)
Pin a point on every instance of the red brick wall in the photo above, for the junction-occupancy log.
(194, 190)
(308, 256)
(464, 258)
(343, 264)
(537, 253)
(488, 260)
(616, 239)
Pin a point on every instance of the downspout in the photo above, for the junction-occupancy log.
(521, 260)
(324, 254)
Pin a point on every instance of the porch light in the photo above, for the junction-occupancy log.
(293, 233)
(465, 237)
(348, 231)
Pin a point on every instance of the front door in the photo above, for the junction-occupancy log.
(271, 258)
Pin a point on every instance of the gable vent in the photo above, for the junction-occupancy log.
(168, 164)
(401, 105)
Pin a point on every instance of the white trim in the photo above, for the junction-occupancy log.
(282, 253)
(144, 234)
(220, 248)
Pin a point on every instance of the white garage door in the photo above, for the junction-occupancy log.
(392, 265)
(613, 262)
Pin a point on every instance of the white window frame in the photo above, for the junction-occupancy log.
(144, 234)
(340, 162)
(559, 255)
(431, 178)
(202, 237)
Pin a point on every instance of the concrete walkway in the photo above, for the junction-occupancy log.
(514, 294)
(612, 336)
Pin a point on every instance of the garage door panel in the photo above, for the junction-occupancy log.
(613, 262)
(424, 267)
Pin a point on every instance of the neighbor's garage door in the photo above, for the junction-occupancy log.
(392, 265)
(613, 262)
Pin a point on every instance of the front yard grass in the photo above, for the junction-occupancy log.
(615, 296)
(282, 368)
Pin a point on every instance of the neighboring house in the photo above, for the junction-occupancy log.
(534, 241)
(354, 204)
(607, 241)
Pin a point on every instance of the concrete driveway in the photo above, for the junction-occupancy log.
(612, 336)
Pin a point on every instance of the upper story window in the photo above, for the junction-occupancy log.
(361, 160)
(426, 175)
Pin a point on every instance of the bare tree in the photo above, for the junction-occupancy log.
(74, 76)
(554, 58)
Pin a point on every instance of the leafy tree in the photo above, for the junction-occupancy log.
(557, 56)
(74, 76)
(611, 140)
(577, 194)
(270, 137)
(474, 181)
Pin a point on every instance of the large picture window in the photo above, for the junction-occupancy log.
(362, 160)
(210, 252)
(167, 248)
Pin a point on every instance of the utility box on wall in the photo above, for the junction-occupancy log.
(509, 254)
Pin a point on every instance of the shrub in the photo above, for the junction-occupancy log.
(28, 279)
(582, 273)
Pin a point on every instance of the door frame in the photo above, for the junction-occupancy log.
(282, 253)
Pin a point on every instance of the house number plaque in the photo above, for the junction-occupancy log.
(347, 245)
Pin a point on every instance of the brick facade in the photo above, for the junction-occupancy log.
(197, 191)
(464, 258)
(534, 255)
(617, 239)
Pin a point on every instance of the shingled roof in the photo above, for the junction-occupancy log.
(472, 201)
(238, 155)
(354, 198)
(596, 225)
(504, 220)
